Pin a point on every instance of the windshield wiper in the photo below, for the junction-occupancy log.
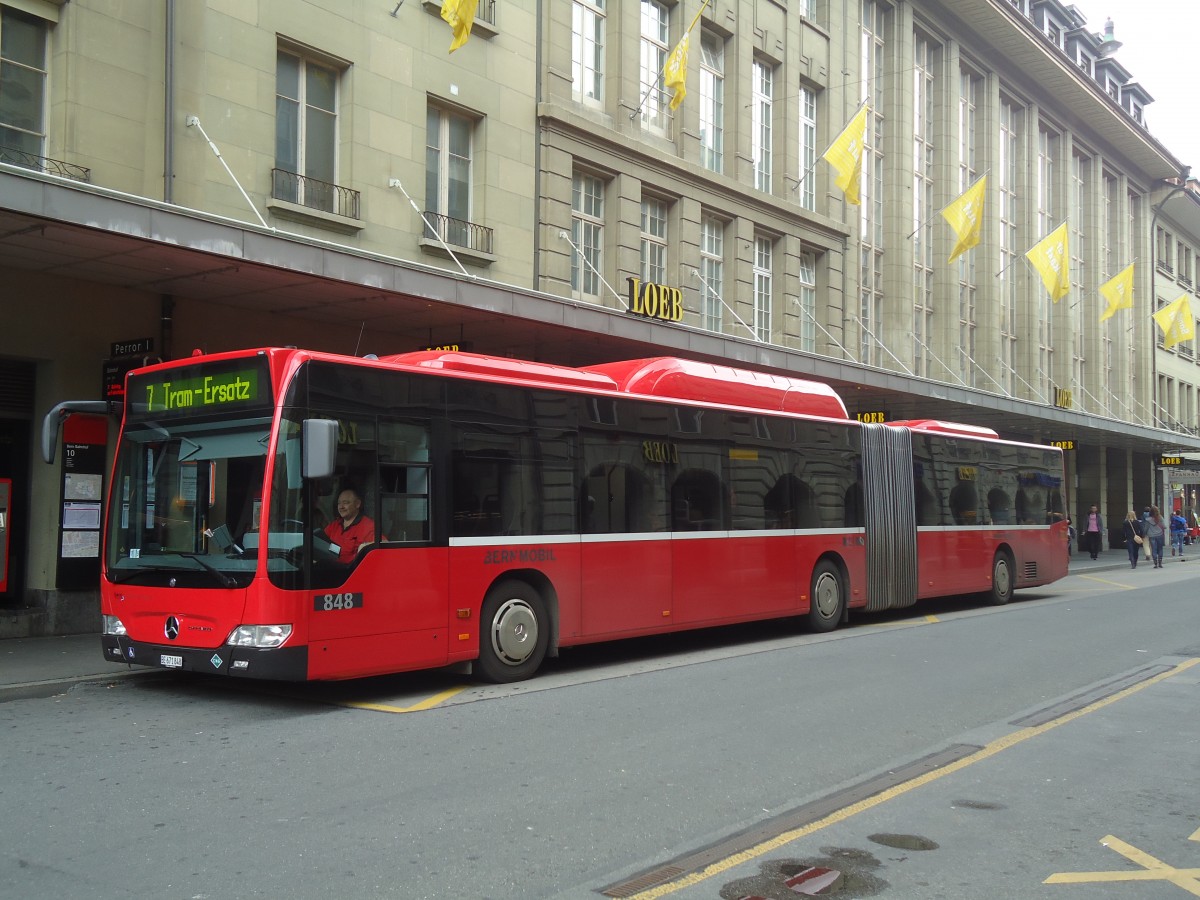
(221, 577)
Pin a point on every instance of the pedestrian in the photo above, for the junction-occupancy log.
(1155, 531)
(1178, 533)
(1133, 538)
(1092, 531)
(1070, 538)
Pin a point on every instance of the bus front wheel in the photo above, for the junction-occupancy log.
(513, 632)
(1002, 579)
(828, 599)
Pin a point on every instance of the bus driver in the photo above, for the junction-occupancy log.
(351, 532)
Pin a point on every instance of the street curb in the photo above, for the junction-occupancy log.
(28, 690)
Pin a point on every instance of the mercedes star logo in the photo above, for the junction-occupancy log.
(171, 630)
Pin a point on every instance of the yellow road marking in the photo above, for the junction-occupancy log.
(932, 619)
(428, 703)
(1096, 578)
(1152, 870)
(995, 747)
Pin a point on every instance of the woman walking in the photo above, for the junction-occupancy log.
(1156, 532)
(1133, 538)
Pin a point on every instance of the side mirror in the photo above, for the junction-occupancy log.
(319, 449)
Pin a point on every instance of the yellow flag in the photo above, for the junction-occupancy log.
(1176, 321)
(460, 16)
(845, 155)
(675, 71)
(1049, 256)
(965, 216)
(1118, 291)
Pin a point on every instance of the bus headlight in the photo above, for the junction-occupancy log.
(111, 625)
(261, 636)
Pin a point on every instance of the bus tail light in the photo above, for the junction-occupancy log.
(112, 625)
(261, 636)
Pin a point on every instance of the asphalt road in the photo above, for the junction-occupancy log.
(634, 758)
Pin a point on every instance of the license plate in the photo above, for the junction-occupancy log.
(171, 662)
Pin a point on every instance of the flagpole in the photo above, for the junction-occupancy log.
(939, 361)
(846, 352)
(883, 346)
(661, 72)
(587, 262)
(1032, 389)
(732, 311)
(969, 359)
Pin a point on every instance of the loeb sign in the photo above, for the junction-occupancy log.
(655, 301)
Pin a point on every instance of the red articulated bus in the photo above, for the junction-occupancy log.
(515, 508)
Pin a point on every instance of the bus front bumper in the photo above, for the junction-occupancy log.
(276, 664)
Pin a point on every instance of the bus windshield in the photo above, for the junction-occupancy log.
(187, 500)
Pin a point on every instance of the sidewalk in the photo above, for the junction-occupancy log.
(43, 667)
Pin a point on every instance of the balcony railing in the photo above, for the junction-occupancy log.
(26, 160)
(314, 193)
(458, 233)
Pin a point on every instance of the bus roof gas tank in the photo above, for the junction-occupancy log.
(685, 379)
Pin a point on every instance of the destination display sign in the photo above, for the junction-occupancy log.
(232, 385)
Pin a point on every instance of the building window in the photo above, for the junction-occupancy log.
(712, 101)
(924, 54)
(807, 298)
(22, 82)
(1113, 243)
(587, 50)
(968, 104)
(655, 21)
(762, 288)
(448, 172)
(712, 269)
(876, 20)
(1080, 215)
(306, 131)
(654, 241)
(808, 147)
(761, 125)
(1164, 250)
(587, 233)
(1047, 183)
(1010, 125)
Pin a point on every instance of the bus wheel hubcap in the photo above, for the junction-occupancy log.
(826, 596)
(514, 632)
(1001, 578)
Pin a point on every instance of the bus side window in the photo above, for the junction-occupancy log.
(405, 502)
(791, 504)
(696, 502)
(999, 507)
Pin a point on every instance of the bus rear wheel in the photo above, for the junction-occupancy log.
(1002, 579)
(513, 633)
(828, 599)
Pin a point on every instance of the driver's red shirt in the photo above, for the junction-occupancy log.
(350, 537)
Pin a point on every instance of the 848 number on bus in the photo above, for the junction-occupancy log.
(334, 602)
